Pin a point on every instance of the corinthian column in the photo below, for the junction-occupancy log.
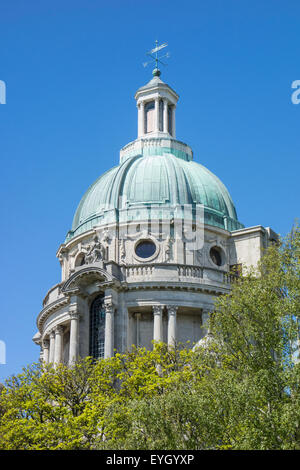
(165, 126)
(52, 344)
(173, 122)
(73, 347)
(58, 344)
(156, 123)
(109, 330)
(141, 119)
(46, 351)
(157, 324)
(172, 310)
(205, 321)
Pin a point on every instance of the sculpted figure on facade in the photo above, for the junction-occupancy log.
(95, 251)
(165, 271)
(168, 248)
(60, 259)
(105, 238)
(122, 251)
(199, 256)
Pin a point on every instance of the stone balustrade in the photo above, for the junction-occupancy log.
(53, 294)
(175, 273)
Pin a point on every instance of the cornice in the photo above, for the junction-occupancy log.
(71, 284)
(248, 230)
(74, 241)
(179, 286)
(57, 304)
(56, 286)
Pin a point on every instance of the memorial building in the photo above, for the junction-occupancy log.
(154, 241)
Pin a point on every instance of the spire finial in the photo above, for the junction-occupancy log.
(156, 72)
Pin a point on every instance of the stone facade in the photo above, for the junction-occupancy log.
(112, 294)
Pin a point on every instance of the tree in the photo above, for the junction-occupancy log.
(240, 390)
(243, 388)
(85, 405)
(257, 327)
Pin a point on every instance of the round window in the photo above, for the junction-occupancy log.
(216, 256)
(145, 249)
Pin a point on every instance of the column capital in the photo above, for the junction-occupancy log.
(172, 309)
(109, 307)
(74, 314)
(205, 314)
(157, 309)
(206, 310)
(52, 334)
(59, 329)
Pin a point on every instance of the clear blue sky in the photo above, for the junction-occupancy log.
(71, 69)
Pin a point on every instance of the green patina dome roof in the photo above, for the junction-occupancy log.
(163, 179)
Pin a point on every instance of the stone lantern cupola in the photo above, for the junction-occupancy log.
(156, 103)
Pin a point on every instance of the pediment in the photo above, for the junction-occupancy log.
(84, 277)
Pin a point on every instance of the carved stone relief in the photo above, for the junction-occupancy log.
(94, 251)
(168, 255)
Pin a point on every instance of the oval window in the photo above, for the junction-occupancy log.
(145, 249)
(216, 256)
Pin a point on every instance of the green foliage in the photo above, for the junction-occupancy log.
(240, 391)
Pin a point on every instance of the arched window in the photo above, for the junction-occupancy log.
(216, 255)
(97, 327)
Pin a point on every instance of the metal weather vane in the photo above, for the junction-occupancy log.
(155, 58)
